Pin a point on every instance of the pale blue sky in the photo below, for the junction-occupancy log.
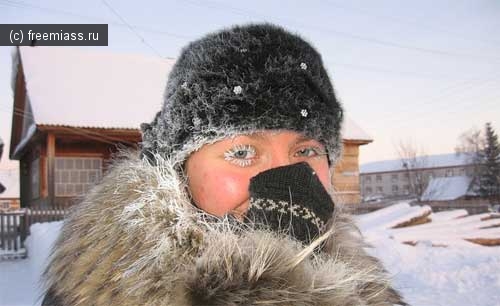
(419, 70)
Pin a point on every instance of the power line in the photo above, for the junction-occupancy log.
(432, 77)
(249, 14)
(420, 25)
(459, 87)
(131, 28)
(23, 5)
(246, 13)
(155, 31)
(452, 105)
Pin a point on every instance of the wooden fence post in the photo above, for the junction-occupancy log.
(2, 230)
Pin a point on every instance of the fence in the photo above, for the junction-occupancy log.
(15, 226)
(472, 206)
(10, 231)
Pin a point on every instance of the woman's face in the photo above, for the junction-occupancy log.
(219, 174)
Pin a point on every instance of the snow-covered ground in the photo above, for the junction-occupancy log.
(19, 279)
(458, 275)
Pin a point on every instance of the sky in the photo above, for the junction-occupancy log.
(405, 71)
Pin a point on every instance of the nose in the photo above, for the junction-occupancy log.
(279, 158)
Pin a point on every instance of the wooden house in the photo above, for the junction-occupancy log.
(72, 108)
(346, 174)
(9, 194)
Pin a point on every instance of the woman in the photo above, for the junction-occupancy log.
(230, 201)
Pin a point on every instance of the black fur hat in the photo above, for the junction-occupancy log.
(243, 80)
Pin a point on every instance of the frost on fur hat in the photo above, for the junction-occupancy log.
(243, 80)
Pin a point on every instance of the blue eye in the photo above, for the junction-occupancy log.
(309, 152)
(241, 155)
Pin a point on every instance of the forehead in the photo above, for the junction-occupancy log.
(270, 135)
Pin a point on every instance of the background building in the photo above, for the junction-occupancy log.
(9, 198)
(392, 178)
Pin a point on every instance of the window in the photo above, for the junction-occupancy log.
(462, 172)
(395, 189)
(35, 178)
(379, 189)
(394, 178)
(378, 178)
(449, 172)
(406, 189)
(75, 176)
(368, 190)
(4, 204)
(368, 179)
(469, 172)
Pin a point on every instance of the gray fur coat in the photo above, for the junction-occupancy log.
(135, 239)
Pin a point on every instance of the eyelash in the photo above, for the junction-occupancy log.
(246, 161)
(229, 155)
(317, 150)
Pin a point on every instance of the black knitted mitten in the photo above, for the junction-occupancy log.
(290, 199)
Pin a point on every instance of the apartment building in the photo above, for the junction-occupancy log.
(390, 178)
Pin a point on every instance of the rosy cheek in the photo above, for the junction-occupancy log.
(222, 191)
(232, 188)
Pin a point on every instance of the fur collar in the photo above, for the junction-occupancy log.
(135, 239)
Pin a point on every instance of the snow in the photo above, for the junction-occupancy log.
(391, 216)
(9, 178)
(351, 131)
(446, 188)
(462, 274)
(25, 139)
(20, 279)
(429, 161)
(448, 215)
(466, 275)
(100, 89)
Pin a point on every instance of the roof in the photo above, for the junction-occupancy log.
(352, 131)
(91, 89)
(99, 89)
(430, 161)
(9, 178)
(446, 188)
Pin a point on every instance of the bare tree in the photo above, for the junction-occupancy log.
(414, 161)
(472, 144)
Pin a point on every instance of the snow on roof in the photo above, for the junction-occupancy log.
(75, 87)
(351, 131)
(9, 178)
(446, 188)
(430, 161)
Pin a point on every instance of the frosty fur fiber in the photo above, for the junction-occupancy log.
(243, 80)
(137, 240)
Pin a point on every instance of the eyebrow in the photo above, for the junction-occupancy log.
(261, 136)
(303, 138)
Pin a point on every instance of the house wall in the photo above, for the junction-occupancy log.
(28, 174)
(346, 175)
(7, 204)
(395, 183)
(66, 148)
